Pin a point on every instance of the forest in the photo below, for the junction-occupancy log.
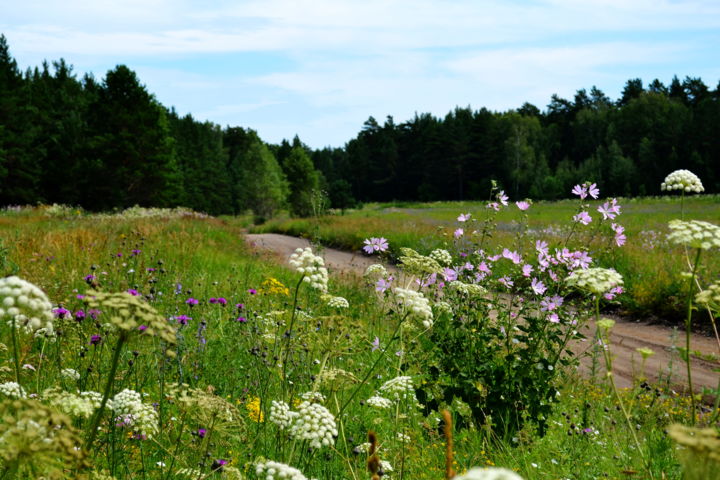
(110, 144)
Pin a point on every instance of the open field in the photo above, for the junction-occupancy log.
(649, 265)
(217, 360)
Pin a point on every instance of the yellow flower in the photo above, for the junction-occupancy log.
(273, 286)
(253, 408)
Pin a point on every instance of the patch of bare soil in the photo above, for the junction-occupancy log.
(664, 367)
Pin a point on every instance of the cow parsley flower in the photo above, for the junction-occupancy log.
(710, 297)
(441, 256)
(270, 470)
(312, 267)
(314, 423)
(683, 180)
(338, 302)
(595, 280)
(76, 405)
(379, 402)
(12, 390)
(695, 234)
(70, 374)
(129, 406)
(419, 265)
(281, 415)
(375, 271)
(416, 305)
(489, 474)
(400, 388)
(25, 304)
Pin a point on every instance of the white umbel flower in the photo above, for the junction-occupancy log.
(695, 234)
(270, 470)
(26, 304)
(338, 302)
(595, 280)
(399, 388)
(128, 404)
(489, 474)
(311, 266)
(314, 423)
(683, 180)
(281, 415)
(416, 305)
(441, 256)
(70, 374)
(12, 390)
(379, 402)
(376, 271)
(710, 297)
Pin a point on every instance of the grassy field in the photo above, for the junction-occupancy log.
(215, 361)
(649, 265)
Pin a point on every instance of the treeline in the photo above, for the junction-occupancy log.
(110, 144)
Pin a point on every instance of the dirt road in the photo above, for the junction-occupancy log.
(626, 336)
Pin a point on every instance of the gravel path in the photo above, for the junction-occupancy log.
(626, 336)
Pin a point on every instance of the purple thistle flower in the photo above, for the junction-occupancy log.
(183, 319)
(241, 319)
(119, 255)
(252, 291)
(150, 269)
(95, 340)
(133, 292)
(61, 312)
(239, 306)
(142, 328)
(79, 315)
(89, 278)
(201, 432)
(136, 252)
(94, 313)
(192, 301)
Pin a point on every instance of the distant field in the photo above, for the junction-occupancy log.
(648, 264)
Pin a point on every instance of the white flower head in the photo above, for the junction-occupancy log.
(281, 415)
(400, 388)
(695, 234)
(683, 180)
(270, 470)
(441, 256)
(489, 474)
(25, 304)
(312, 267)
(314, 423)
(595, 280)
(379, 402)
(12, 390)
(416, 305)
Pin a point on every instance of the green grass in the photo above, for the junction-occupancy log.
(235, 369)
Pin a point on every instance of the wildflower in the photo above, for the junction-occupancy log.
(541, 247)
(608, 210)
(580, 190)
(710, 297)
(583, 217)
(400, 388)
(523, 205)
(467, 289)
(373, 245)
(548, 304)
(312, 267)
(494, 205)
(252, 291)
(89, 278)
(273, 286)
(478, 473)
(62, 313)
(383, 284)
(315, 423)
(133, 292)
(128, 404)
(502, 198)
(537, 286)
(463, 217)
(27, 307)
(511, 255)
(620, 237)
(527, 270)
(281, 415)
(70, 374)
(338, 302)
(645, 352)
(615, 291)
(416, 305)
(130, 312)
(605, 324)
(377, 401)
(316, 397)
(683, 180)
(593, 191)
(12, 390)
(182, 319)
(695, 234)
(375, 270)
(450, 274)
(441, 256)
(505, 281)
(458, 233)
(80, 315)
(241, 319)
(595, 280)
(81, 405)
(95, 340)
(192, 301)
(271, 470)
(253, 407)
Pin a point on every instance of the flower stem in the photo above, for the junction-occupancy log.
(16, 352)
(106, 394)
(289, 338)
(688, 331)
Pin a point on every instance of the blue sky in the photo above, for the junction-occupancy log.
(320, 68)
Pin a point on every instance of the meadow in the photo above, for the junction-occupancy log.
(648, 263)
(155, 344)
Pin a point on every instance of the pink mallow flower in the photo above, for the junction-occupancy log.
(614, 292)
(593, 190)
(537, 286)
(514, 256)
(548, 304)
(583, 218)
(526, 270)
(503, 198)
(609, 209)
(620, 237)
(580, 191)
(373, 245)
(458, 233)
(464, 217)
(523, 205)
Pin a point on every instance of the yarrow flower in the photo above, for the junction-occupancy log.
(26, 306)
(695, 234)
(373, 245)
(312, 267)
(595, 280)
(683, 180)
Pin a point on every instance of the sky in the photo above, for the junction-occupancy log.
(319, 68)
